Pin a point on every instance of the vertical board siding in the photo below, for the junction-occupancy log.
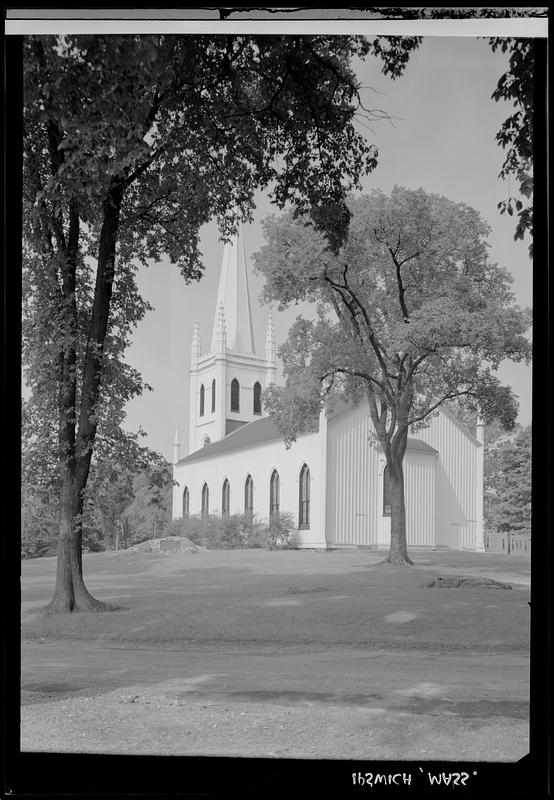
(354, 492)
(457, 495)
(354, 512)
(419, 481)
(351, 480)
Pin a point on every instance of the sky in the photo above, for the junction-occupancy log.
(440, 138)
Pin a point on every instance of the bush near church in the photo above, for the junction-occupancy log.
(236, 531)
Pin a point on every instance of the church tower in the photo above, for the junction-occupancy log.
(226, 383)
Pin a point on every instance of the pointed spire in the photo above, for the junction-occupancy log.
(270, 340)
(196, 346)
(233, 295)
(220, 331)
(176, 447)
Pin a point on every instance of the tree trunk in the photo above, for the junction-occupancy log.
(71, 593)
(124, 534)
(398, 553)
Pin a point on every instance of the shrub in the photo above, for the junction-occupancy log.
(197, 529)
(230, 532)
(280, 531)
(174, 528)
(236, 531)
(39, 524)
(213, 531)
(233, 532)
(257, 535)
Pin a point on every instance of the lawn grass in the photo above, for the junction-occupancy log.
(307, 599)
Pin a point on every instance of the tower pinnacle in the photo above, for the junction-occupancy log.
(176, 447)
(270, 340)
(195, 352)
(220, 331)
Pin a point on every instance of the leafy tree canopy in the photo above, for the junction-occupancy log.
(515, 86)
(190, 126)
(421, 315)
(508, 473)
(411, 314)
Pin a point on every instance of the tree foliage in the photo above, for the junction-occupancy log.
(411, 314)
(515, 86)
(508, 472)
(125, 504)
(149, 514)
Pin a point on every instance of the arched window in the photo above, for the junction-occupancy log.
(213, 396)
(387, 508)
(202, 400)
(186, 503)
(225, 498)
(257, 398)
(205, 500)
(249, 496)
(274, 494)
(235, 395)
(304, 498)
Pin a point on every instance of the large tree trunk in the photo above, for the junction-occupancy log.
(71, 593)
(398, 553)
(391, 427)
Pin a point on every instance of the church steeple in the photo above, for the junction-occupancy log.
(226, 383)
(233, 296)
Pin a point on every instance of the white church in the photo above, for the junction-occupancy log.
(332, 480)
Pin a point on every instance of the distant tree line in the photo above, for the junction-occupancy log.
(508, 474)
(122, 507)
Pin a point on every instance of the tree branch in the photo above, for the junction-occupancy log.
(354, 373)
(448, 396)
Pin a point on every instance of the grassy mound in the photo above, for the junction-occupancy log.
(464, 582)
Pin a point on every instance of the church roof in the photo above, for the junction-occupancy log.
(418, 444)
(248, 435)
(261, 431)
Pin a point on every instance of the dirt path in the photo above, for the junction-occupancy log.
(330, 704)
